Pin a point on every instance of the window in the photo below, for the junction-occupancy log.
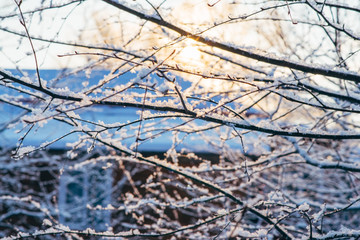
(84, 192)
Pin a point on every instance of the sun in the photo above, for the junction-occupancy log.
(190, 56)
(190, 53)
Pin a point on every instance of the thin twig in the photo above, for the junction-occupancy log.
(22, 22)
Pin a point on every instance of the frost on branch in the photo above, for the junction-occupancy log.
(221, 119)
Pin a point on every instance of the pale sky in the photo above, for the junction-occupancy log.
(13, 50)
(66, 23)
(16, 52)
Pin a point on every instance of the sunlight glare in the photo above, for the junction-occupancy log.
(190, 56)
